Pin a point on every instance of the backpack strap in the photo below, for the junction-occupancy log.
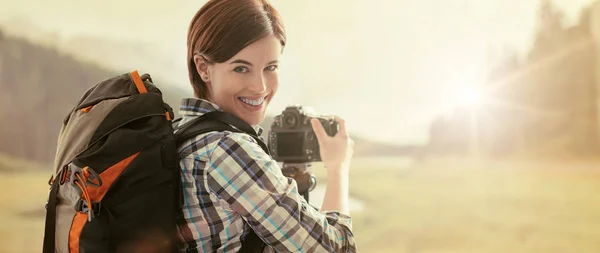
(216, 121)
(137, 80)
(222, 121)
(49, 230)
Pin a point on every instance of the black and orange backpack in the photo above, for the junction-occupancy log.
(116, 185)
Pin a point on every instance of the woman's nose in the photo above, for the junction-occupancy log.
(258, 84)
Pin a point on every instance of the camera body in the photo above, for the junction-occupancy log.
(292, 139)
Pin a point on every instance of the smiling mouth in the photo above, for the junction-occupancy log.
(253, 102)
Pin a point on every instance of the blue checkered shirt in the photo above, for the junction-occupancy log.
(228, 178)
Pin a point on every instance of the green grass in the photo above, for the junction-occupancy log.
(10, 164)
(22, 200)
(450, 206)
(437, 206)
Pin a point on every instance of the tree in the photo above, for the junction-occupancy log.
(550, 29)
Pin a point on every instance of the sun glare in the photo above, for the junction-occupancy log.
(470, 97)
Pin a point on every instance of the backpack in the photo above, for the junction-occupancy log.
(116, 185)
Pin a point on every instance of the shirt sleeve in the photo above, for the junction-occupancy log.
(252, 183)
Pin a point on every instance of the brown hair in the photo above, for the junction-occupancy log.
(222, 28)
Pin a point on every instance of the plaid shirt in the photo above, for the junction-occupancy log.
(228, 178)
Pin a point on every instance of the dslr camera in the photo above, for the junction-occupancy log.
(292, 139)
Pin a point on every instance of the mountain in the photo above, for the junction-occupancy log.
(122, 55)
(39, 86)
(23, 27)
(117, 56)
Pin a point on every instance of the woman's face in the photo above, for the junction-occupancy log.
(245, 84)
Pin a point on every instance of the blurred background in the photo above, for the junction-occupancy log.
(476, 122)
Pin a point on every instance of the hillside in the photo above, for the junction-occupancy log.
(39, 86)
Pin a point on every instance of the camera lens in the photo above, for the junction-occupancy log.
(289, 120)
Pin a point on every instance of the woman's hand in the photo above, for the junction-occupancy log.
(336, 152)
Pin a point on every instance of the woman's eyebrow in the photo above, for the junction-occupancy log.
(241, 61)
(250, 64)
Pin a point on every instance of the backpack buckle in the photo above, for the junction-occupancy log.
(82, 206)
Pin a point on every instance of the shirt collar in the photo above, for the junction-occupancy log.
(198, 107)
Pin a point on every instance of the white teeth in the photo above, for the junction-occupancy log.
(253, 102)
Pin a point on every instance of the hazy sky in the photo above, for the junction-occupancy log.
(387, 66)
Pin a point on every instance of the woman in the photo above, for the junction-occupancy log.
(231, 186)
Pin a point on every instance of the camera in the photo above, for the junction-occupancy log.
(292, 139)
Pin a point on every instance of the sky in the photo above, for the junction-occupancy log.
(388, 67)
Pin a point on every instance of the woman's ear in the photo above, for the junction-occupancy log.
(202, 67)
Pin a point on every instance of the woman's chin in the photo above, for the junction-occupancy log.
(255, 119)
(251, 114)
(250, 118)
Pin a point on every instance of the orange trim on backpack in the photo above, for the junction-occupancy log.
(65, 175)
(168, 116)
(108, 177)
(93, 194)
(87, 109)
(138, 82)
(76, 227)
(84, 192)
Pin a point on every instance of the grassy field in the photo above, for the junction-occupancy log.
(436, 206)
(453, 206)
(22, 212)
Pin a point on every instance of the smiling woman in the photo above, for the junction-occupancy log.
(236, 45)
(236, 198)
(245, 84)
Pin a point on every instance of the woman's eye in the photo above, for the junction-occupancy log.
(271, 68)
(241, 69)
